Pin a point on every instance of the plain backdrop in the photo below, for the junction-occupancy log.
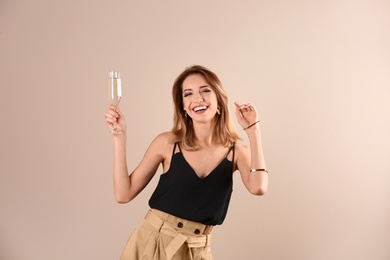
(318, 72)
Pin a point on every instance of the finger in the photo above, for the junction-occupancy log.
(118, 111)
(249, 107)
(252, 107)
(108, 116)
(109, 124)
(110, 120)
(238, 113)
(112, 113)
(111, 107)
(240, 106)
(243, 106)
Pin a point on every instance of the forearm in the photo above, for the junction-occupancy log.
(258, 179)
(120, 171)
(256, 148)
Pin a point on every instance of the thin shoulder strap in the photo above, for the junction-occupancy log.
(231, 149)
(234, 151)
(174, 148)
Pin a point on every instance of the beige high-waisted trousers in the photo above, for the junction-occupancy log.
(162, 236)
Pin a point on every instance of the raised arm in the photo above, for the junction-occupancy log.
(251, 162)
(128, 186)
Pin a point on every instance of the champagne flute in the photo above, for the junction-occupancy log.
(114, 95)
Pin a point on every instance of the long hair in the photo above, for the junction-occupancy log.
(183, 129)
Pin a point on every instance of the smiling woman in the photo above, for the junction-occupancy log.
(199, 156)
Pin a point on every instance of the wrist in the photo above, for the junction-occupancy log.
(253, 132)
(120, 137)
(252, 125)
(253, 129)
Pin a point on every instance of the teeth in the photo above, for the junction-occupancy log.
(196, 109)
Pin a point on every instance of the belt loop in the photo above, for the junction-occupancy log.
(154, 220)
(207, 241)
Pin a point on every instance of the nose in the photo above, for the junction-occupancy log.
(198, 98)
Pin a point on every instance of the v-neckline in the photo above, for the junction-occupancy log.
(207, 175)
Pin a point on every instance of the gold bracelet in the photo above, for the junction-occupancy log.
(249, 126)
(259, 170)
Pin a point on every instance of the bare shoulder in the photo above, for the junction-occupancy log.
(241, 148)
(242, 151)
(164, 138)
(163, 144)
(242, 155)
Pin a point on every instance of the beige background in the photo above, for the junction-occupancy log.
(318, 72)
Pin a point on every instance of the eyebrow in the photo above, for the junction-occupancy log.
(201, 87)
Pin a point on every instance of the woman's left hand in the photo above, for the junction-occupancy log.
(246, 114)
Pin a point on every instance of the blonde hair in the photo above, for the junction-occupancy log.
(183, 129)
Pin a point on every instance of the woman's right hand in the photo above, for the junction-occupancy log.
(115, 119)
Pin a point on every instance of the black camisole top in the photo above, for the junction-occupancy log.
(180, 191)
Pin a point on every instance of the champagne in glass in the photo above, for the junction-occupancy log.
(114, 94)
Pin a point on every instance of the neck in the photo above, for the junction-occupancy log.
(204, 134)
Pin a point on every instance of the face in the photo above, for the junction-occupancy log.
(199, 99)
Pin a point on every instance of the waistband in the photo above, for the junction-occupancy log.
(184, 225)
(182, 231)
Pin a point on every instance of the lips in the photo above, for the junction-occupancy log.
(200, 108)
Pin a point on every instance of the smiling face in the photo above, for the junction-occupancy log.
(199, 98)
(199, 91)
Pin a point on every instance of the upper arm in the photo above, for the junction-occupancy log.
(243, 166)
(255, 183)
(243, 162)
(146, 169)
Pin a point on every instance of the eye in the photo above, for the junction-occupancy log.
(186, 94)
(206, 90)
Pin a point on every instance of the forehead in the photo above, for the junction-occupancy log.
(194, 81)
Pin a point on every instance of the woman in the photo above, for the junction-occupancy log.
(198, 156)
